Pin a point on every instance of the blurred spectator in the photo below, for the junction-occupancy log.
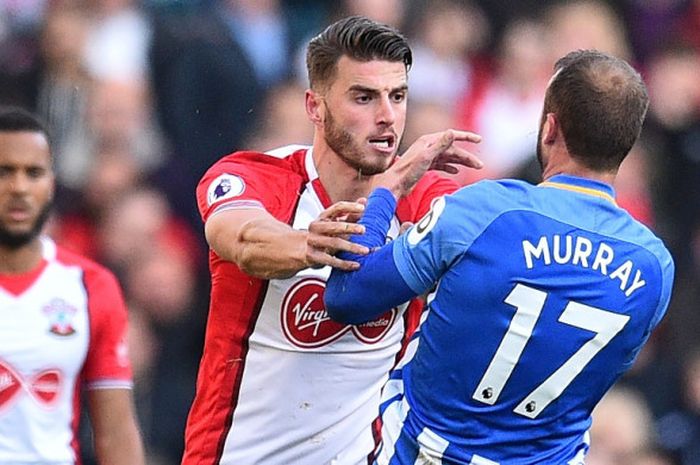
(679, 431)
(138, 223)
(428, 117)
(689, 23)
(118, 41)
(389, 12)
(19, 22)
(207, 98)
(448, 34)
(654, 375)
(622, 428)
(261, 30)
(118, 118)
(161, 286)
(672, 137)
(583, 24)
(508, 113)
(632, 186)
(650, 22)
(121, 115)
(112, 174)
(57, 86)
(283, 120)
(654, 457)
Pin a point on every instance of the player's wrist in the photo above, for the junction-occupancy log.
(389, 183)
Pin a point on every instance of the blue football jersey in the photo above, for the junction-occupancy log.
(541, 297)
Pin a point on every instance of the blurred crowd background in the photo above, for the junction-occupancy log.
(140, 97)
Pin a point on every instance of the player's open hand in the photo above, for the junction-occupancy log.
(330, 234)
(437, 151)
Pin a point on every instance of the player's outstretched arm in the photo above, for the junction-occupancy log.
(266, 248)
(115, 432)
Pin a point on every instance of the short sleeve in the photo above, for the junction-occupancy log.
(107, 364)
(230, 183)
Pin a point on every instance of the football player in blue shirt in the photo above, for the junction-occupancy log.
(541, 296)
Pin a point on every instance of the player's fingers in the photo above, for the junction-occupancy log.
(320, 259)
(335, 228)
(460, 156)
(447, 168)
(447, 138)
(333, 245)
(354, 216)
(351, 217)
(342, 208)
(466, 136)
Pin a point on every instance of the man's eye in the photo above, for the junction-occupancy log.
(363, 98)
(399, 97)
(35, 172)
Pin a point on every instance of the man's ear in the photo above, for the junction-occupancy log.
(550, 130)
(314, 107)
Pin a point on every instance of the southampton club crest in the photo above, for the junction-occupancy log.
(60, 314)
(225, 186)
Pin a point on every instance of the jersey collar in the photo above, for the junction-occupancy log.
(312, 174)
(582, 185)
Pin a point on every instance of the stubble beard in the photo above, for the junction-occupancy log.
(346, 148)
(15, 240)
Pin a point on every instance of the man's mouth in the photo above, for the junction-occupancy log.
(383, 143)
(19, 213)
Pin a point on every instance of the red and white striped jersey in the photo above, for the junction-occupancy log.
(62, 328)
(279, 382)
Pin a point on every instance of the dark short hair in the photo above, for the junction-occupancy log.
(358, 38)
(600, 102)
(15, 119)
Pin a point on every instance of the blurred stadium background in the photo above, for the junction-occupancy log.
(142, 96)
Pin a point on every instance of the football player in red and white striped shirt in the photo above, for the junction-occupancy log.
(279, 382)
(62, 324)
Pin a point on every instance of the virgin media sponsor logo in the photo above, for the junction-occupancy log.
(306, 323)
(374, 330)
(44, 387)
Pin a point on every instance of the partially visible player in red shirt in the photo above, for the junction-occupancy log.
(62, 323)
(279, 382)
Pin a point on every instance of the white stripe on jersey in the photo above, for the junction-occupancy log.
(392, 424)
(434, 449)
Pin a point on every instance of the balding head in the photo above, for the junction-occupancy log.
(600, 102)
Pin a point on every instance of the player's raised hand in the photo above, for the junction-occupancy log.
(329, 234)
(436, 151)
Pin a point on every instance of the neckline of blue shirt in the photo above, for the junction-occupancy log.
(583, 182)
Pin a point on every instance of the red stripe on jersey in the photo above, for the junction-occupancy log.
(228, 333)
(222, 365)
(321, 193)
(377, 436)
(238, 371)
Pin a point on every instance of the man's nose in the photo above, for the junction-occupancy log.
(20, 183)
(386, 113)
